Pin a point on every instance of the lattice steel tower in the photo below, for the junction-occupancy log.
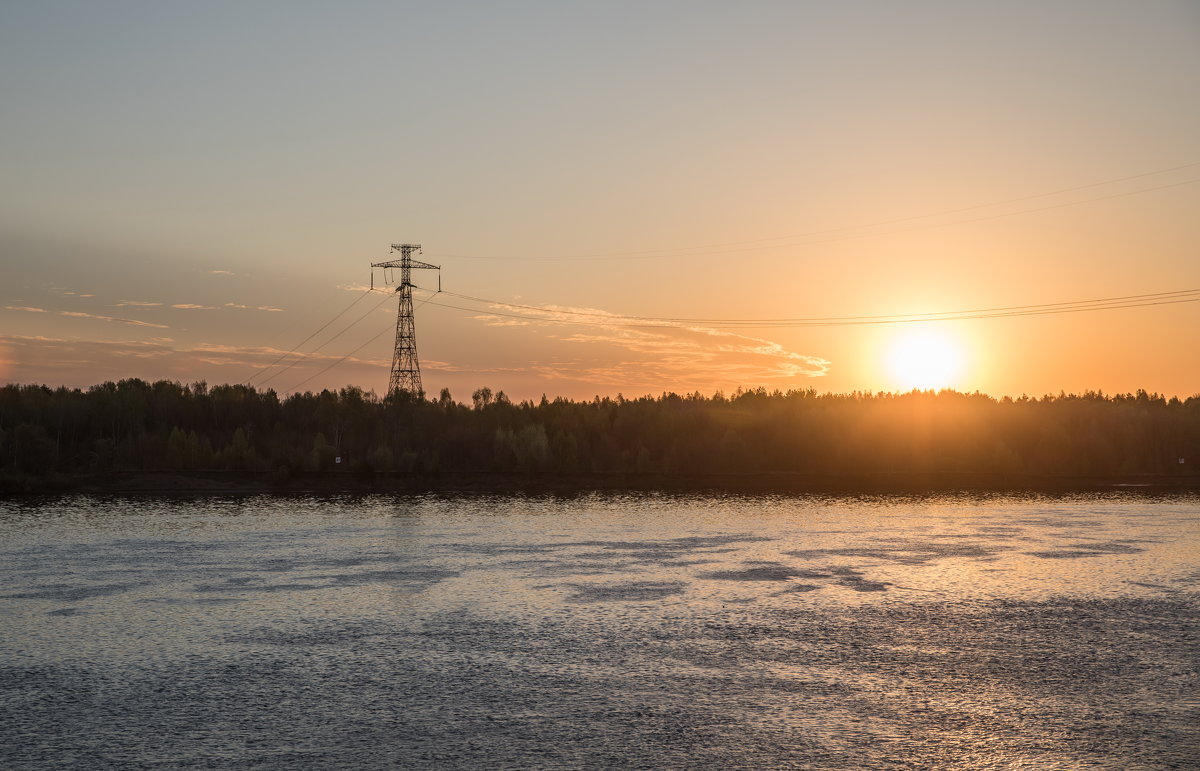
(406, 371)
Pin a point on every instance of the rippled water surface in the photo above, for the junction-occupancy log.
(605, 631)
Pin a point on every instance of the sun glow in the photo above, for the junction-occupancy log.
(925, 358)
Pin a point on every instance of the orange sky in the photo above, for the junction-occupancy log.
(191, 192)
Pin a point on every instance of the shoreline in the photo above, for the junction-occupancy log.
(332, 482)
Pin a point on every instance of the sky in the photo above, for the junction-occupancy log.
(190, 191)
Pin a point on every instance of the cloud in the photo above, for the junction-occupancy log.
(81, 363)
(222, 272)
(444, 366)
(634, 354)
(262, 357)
(25, 308)
(598, 350)
(39, 359)
(33, 339)
(268, 308)
(354, 287)
(194, 307)
(248, 350)
(498, 321)
(132, 322)
(137, 304)
(77, 294)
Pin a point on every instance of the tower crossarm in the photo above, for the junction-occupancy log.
(401, 263)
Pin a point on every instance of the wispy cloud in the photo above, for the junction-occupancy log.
(633, 354)
(222, 272)
(194, 307)
(261, 356)
(137, 304)
(498, 321)
(76, 294)
(553, 314)
(354, 287)
(268, 308)
(25, 308)
(133, 322)
(86, 362)
(434, 365)
(83, 362)
(33, 339)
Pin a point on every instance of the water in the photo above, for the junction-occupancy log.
(602, 631)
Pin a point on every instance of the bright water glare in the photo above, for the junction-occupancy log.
(647, 631)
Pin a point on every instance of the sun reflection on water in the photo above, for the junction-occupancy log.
(665, 631)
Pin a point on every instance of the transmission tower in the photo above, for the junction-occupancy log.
(406, 371)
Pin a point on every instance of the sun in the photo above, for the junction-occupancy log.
(925, 359)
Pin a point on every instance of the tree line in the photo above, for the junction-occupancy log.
(134, 425)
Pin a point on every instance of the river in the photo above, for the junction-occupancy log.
(600, 631)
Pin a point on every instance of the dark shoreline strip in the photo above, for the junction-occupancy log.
(359, 482)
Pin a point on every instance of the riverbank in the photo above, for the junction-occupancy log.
(246, 482)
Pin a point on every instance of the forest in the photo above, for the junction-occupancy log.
(137, 426)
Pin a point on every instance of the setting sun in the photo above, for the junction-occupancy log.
(924, 359)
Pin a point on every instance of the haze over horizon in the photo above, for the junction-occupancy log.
(191, 190)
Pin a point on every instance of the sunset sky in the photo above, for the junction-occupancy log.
(192, 189)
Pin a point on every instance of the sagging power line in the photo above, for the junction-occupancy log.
(600, 318)
(841, 233)
(302, 356)
(301, 344)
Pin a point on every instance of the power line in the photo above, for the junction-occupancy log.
(310, 337)
(378, 335)
(617, 320)
(548, 309)
(1082, 304)
(758, 244)
(359, 348)
(739, 247)
(346, 329)
(604, 320)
